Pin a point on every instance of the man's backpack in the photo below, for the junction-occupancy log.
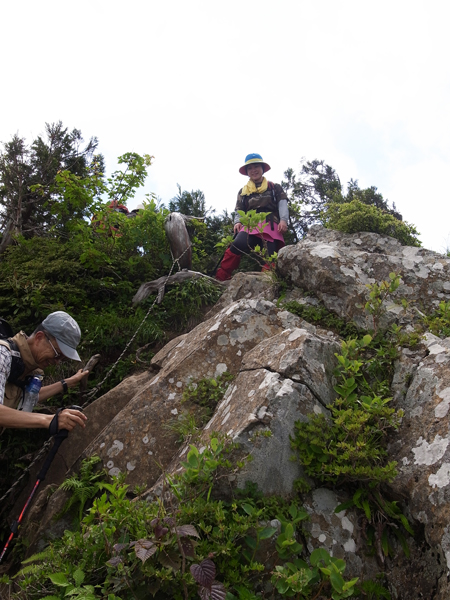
(5, 330)
(17, 364)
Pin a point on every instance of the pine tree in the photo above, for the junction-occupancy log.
(27, 179)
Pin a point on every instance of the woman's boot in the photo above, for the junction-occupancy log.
(230, 262)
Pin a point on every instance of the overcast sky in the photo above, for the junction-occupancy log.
(363, 85)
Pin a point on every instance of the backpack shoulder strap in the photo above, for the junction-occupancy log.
(271, 187)
(7, 344)
(17, 364)
(244, 200)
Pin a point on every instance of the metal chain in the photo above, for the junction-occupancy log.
(38, 456)
(94, 390)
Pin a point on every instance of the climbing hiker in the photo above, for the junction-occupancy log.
(263, 196)
(109, 228)
(20, 356)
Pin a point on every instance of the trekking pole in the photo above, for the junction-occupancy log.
(59, 437)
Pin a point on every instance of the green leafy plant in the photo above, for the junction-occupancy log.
(202, 469)
(71, 590)
(297, 578)
(382, 519)
(374, 590)
(379, 293)
(185, 425)
(286, 543)
(253, 221)
(260, 533)
(439, 322)
(208, 392)
(332, 570)
(85, 485)
(350, 445)
(356, 216)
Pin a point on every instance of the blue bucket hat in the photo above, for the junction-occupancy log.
(251, 159)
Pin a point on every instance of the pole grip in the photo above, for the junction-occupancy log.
(59, 437)
(58, 440)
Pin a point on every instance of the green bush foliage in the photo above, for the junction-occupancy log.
(439, 322)
(355, 216)
(321, 316)
(87, 272)
(350, 446)
(184, 544)
(316, 190)
(347, 445)
(208, 392)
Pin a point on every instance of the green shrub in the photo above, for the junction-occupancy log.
(208, 392)
(184, 544)
(353, 217)
(439, 322)
(349, 445)
(321, 316)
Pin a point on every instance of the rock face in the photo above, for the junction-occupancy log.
(283, 370)
(135, 441)
(246, 285)
(265, 398)
(337, 266)
(422, 447)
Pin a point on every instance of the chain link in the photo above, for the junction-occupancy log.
(94, 390)
(38, 456)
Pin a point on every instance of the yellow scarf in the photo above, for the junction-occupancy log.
(250, 188)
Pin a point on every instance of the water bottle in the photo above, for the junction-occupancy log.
(31, 396)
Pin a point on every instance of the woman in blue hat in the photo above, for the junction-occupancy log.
(263, 196)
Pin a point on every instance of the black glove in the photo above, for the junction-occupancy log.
(53, 427)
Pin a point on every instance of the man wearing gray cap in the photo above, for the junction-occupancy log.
(54, 339)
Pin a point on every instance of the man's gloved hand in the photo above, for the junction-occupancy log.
(67, 418)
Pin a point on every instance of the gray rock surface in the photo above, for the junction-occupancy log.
(135, 441)
(422, 447)
(336, 267)
(252, 284)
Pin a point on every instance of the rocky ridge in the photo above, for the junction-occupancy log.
(283, 368)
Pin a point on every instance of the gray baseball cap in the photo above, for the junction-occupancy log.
(66, 332)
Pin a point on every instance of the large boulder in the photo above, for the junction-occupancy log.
(282, 380)
(422, 447)
(135, 441)
(336, 267)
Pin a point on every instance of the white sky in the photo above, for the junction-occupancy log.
(200, 84)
